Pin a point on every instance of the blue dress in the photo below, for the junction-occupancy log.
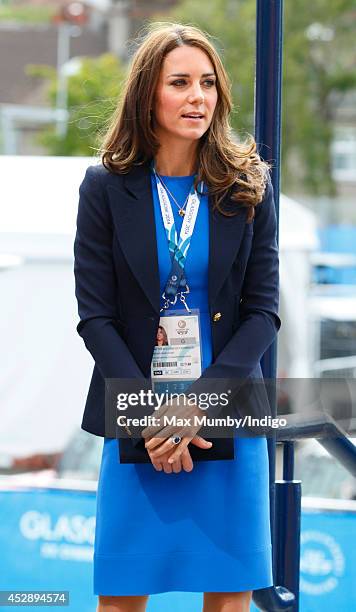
(202, 531)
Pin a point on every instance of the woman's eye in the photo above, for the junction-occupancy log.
(179, 82)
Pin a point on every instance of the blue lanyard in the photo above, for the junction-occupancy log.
(178, 247)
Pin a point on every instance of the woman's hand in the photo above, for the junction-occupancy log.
(161, 463)
(159, 437)
(172, 460)
(182, 421)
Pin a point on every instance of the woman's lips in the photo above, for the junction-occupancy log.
(192, 118)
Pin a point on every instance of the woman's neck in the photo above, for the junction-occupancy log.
(176, 160)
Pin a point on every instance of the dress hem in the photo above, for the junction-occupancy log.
(179, 572)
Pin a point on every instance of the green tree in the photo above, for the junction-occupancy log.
(319, 58)
(92, 97)
(9, 11)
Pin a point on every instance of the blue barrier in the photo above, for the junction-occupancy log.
(46, 540)
(327, 561)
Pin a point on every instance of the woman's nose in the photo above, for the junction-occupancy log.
(196, 95)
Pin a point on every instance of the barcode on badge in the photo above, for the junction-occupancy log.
(165, 364)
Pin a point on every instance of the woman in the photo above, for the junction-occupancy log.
(169, 525)
(161, 338)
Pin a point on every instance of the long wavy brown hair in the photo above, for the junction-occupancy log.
(227, 167)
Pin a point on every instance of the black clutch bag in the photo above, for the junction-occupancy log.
(222, 449)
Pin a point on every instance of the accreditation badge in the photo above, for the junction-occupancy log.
(177, 356)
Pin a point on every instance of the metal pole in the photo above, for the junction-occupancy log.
(9, 133)
(268, 93)
(63, 53)
(287, 541)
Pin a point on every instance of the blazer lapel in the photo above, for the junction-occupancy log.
(133, 213)
(225, 235)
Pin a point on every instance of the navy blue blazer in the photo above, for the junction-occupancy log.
(118, 290)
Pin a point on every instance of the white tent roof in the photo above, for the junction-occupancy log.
(40, 194)
(297, 226)
(45, 368)
(39, 203)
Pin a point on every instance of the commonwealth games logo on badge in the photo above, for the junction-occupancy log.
(182, 325)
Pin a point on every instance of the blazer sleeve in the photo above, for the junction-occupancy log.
(95, 282)
(259, 321)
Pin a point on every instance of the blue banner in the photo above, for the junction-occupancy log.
(47, 537)
(327, 561)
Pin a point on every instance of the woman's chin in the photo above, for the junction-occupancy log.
(192, 134)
